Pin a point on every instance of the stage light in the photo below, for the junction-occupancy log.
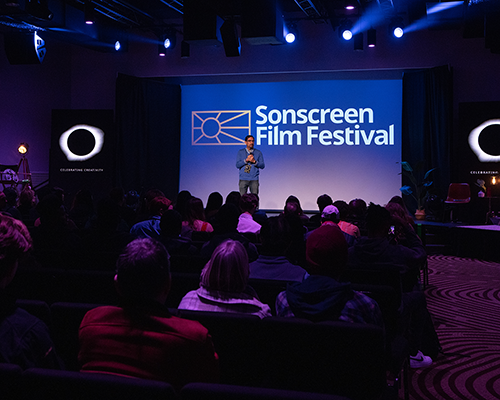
(371, 36)
(397, 28)
(88, 10)
(118, 45)
(23, 148)
(168, 41)
(345, 30)
(350, 4)
(290, 37)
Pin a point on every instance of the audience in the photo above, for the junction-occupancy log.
(330, 216)
(194, 220)
(346, 227)
(214, 202)
(248, 205)
(378, 250)
(226, 228)
(322, 201)
(223, 286)
(321, 297)
(171, 227)
(141, 338)
(82, 209)
(272, 264)
(24, 339)
(357, 214)
(150, 228)
(11, 197)
(27, 203)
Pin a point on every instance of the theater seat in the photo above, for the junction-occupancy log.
(46, 384)
(211, 391)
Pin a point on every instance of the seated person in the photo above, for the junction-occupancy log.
(150, 228)
(346, 227)
(248, 205)
(223, 284)
(379, 250)
(226, 228)
(171, 226)
(195, 218)
(24, 339)
(321, 297)
(330, 216)
(141, 338)
(272, 264)
(322, 201)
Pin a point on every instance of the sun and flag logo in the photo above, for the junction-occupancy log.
(220, 127)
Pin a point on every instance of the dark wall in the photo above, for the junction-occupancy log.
(74, 77)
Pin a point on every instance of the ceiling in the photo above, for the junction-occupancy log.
(64, 19)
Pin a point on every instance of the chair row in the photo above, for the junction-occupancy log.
(84, 286)
(280, 353)
(45, 384)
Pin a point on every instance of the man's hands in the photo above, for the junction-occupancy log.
(250, 159)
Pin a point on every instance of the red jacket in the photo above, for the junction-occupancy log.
(147, 344)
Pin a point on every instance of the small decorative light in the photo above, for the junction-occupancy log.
(494, 180)
(23, 148)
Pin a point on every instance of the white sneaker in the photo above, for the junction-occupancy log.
(420, 361)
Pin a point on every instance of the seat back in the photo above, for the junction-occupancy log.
(10, 375)
(212, 391)
(458, 193)
(66, 320)
(47, 384)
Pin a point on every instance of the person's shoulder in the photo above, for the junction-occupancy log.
(188, 329)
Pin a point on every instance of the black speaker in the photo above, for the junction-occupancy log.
(24, 48)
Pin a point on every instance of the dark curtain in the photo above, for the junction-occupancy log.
(148, 131)
(427, 123)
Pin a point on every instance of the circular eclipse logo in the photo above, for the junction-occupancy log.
(474, 142)
(99, 141)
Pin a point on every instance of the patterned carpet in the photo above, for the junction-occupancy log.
(464, 299)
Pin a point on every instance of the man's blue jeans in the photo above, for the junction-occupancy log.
(253, 185)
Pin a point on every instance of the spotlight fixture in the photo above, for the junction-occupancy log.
(397, 27)
(350, 4)
(23, 148)
(345, 29)
(88, 10)
(168, 41)
(118, 45)
(371, 37)
(291, 33)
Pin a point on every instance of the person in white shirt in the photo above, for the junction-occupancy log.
(248, 205)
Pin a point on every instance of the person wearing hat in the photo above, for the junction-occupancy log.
(321, 297)
(330, 216)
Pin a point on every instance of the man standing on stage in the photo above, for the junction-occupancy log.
(249, 161)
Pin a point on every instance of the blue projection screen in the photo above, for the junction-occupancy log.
(339, 137)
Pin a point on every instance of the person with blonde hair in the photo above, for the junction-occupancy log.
(223, 284)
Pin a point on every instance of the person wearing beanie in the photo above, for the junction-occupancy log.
(321, 297)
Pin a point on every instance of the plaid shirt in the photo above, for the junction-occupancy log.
(206, 300)
(360, 309)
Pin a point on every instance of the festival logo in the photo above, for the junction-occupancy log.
(220, 127)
